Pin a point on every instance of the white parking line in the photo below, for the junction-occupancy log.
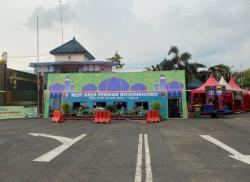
(235, 154)
(66, 143)
(148, 170)
(138, 176)
(149, 177)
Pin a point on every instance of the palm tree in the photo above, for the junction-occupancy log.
(221, 70)
(166, 65)
(194, 68)
(180, 60)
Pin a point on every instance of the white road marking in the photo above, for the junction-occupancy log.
(235, 154)
(66, 143)
(59, 138)
(138, 172)
(138, 175)
(149, 177)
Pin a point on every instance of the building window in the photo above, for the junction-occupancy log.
(144, 105)
(99, 105)
(76, 105)
(120, 105)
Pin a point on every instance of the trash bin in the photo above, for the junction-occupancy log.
(197, 111)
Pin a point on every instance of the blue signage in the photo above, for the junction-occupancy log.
(111, 95)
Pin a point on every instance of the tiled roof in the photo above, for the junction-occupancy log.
(72, 63)
(72, 46)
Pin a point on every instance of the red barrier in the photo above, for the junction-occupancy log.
(57, 117)
(153, 116)
(97, 117)
(102, 117)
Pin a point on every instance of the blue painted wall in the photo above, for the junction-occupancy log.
(90, 98)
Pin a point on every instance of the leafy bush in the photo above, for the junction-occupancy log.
(156, 106)
(91, 112)
(132, 112)
(66, 108)
(112, 108)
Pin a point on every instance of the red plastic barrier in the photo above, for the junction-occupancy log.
(97, 117)
(102, 117)
(57, 117)
(153, 116)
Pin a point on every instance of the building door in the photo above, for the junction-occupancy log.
(174, 108)
(55, 104)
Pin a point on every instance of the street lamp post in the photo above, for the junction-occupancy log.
(37, 70)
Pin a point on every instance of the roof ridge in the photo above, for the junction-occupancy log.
(72, 46)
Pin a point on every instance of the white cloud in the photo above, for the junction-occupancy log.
(141, 30)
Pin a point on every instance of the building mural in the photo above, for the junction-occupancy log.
(109, 87)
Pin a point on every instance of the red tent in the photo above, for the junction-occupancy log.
(245, 103)
(234, 85)
(211, 81)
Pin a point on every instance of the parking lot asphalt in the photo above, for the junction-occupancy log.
(111, 152)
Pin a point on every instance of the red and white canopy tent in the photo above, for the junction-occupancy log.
(198, 95)
(229, 93)
(245, 101)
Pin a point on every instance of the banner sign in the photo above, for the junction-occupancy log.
(12, 112)
(112, 95)
(238, 95)
(116, 87)
(215, 90)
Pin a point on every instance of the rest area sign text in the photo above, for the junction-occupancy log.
(112, 95)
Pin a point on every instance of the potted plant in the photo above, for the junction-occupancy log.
(79, 111)
(156, 106)
(66, 108)
(112, 108)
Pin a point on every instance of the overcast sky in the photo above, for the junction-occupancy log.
(213, 31)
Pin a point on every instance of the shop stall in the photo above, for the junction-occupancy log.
(122, 93)
(241, 97)
(228, 99)
(198, 96)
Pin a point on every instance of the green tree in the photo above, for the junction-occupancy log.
(167, 65)
(179, 60)
(220, 70)
(116, 59)
(246, 79)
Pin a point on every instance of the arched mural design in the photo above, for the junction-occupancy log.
(138, 87)
(174, 89)
(114, 84)
(89, 87)
(57, 87)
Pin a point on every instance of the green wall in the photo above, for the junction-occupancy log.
(147, 78)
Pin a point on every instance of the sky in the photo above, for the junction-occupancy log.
(142, 31)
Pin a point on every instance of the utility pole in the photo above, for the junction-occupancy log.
(60, 2)
(74, 31)
(38, 79)
(37, 37)
(241, 72)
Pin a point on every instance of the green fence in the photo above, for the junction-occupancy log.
(12, 112)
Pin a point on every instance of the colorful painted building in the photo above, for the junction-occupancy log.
(129, 90)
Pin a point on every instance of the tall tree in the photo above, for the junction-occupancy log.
(167, 65)
(116, 59)
(244, 78)
(180, 60)
(220, 70)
